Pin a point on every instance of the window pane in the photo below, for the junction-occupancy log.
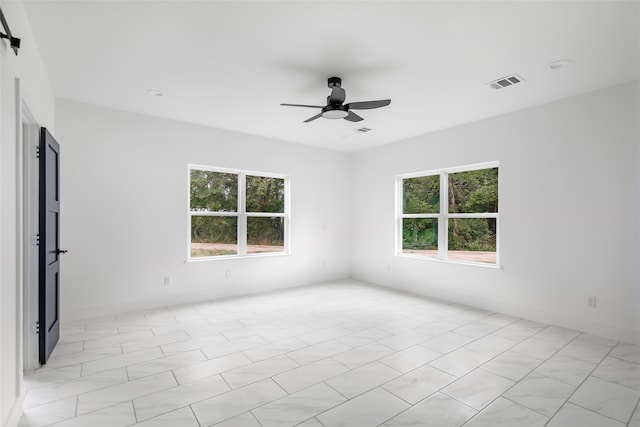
(421, 194)
(265, 194)
(214, 235)
(420, 236)
(213, 191)
(472, 239)
(473, 191)
(265, 234)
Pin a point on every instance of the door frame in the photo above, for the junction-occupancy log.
(30, 131)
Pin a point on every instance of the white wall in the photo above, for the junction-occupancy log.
(124, 213)
(37, 94)
(569, 196)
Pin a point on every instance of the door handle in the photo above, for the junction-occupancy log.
(61, 251)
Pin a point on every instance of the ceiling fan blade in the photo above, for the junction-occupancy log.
(338, 95)
(317, 116)
(353, 117)
(368, 105)
(303, 105)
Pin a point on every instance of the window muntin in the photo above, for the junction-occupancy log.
(236, 213)
(457, 223)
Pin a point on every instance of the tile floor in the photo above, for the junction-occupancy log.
(333, 355)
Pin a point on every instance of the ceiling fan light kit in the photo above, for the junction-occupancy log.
(336, 108)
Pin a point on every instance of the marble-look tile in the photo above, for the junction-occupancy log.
(193, 344)
(297, 407)
(182, 417)
(363, 337)
(503, 412)
(243, 420)
(467, 316)
(572, 415)
(368, 409)
(102, 353)
(207, 368)
(224, 348)
(606, 398)
(588, 348)
(62, 349)
(308, 375)
(154, 341)
(362, 355)
(512, 365)
(46, 394)
(98, 399)
(419, 383)
(117, 339)
(317, 352)
(567, 369)
(460, 361)
(176, 397)
(400, 325)
(519, 331)
(321, 335)
(627, 352)
(361, 379)
(542, 394)
(236, 402)
(433, 329)
(281, 334)
(490, 345)
(49, 413)
(476, 330)
(155, 366)
(274, 349)
(403, 340)
(557, 334)
(309, 423)
(47, 377)
(121, 361)
(411, 358)
(635, 419)
(114, 416)
(257, 371)
(620, 372)
(538, 348)
(447, 342)
(436, 411)
(478, 388)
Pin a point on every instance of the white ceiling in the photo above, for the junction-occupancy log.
(230, 64)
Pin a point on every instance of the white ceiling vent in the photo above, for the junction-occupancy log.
(363, 130)
(505, 81)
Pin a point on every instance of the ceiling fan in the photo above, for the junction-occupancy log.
(336, 109)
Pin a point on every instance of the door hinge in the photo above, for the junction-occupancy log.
(35, 241)
(36, 328)
(36, 152)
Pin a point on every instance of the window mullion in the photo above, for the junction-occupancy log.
(443, 235)
(242, 214)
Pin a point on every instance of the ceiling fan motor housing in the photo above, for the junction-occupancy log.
(334, 82)
(335, 112)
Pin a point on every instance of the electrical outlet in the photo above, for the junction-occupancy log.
(591, 301)
(227, 273)
(167, 280)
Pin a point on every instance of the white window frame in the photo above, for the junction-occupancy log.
(443, 216)
(240, 213)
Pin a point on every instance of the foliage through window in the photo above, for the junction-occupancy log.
(450, 214)
(236, 213)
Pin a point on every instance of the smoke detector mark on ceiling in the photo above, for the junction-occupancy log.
(363, 130)
(505, 81)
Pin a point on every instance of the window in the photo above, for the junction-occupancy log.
(236, 213)
(450, 214)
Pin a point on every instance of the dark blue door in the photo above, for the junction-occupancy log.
(49, 262)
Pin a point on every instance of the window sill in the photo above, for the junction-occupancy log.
(451, 261)
(248, 256)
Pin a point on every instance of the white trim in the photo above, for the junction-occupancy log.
(30, 142)
(241, 214)
(443, 216)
